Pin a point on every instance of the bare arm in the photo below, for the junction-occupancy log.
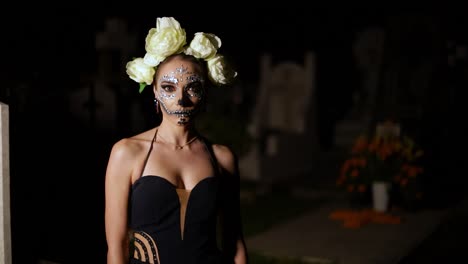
(117, 186)
(233, 238)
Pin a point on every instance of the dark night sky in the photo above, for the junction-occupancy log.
(67, 39)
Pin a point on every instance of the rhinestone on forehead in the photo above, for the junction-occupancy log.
(176, 76)
(181, 69)
(170, 78)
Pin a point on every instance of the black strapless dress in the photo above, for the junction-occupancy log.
(155, 219)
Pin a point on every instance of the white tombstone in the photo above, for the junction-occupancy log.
(283, 118)
(289, 93)
(388, 129)
(5, 225)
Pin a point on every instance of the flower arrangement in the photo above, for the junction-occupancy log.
(169, 38)
(387, 157)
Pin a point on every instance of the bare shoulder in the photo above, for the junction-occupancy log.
(226, 157)
(130, 147)
(125, 148)
(127, 153)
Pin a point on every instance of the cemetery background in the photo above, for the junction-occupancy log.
(70, 100)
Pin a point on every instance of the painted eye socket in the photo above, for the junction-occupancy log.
(168, 88)
(195, 90)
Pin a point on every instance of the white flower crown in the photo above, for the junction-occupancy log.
(169, 38)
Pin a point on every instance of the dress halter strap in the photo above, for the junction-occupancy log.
(209, 149)
(149, 152)
(206, 143)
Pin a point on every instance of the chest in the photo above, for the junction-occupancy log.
(184, 169)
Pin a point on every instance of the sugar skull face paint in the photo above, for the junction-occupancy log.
(180, 90)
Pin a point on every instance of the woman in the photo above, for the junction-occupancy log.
(171, 195)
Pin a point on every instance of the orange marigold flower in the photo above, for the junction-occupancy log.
(360, 145)
(363, 162)
(397, 146)
(362, 188)
(413, 171)
(373, 146)
(405, 167)
(339, 181)
(345, 166)
(404, 182)
(418, 153)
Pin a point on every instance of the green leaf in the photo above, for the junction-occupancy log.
(142, 87)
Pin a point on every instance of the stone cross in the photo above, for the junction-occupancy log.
(97, 101)
(5, 225)
(368, 50)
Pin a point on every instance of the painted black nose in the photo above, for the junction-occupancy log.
(184, 101)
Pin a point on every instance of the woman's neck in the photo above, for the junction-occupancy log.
(177, 134)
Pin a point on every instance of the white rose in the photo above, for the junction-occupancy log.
(218, 71)
(166, 39)
(140, 72)
(152, 60)
(204, 45)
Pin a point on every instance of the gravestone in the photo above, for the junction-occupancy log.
(5, 225)
(282, 122)
(97, 101)
(388, 129)
(368, 53)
